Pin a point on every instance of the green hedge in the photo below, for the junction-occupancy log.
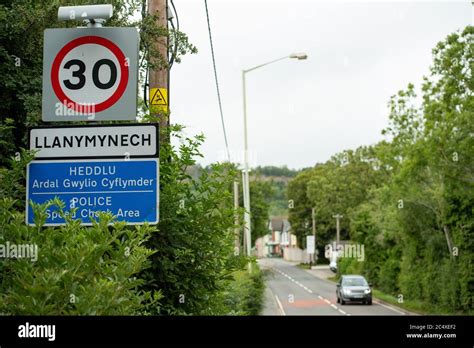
(244, 295)
(76, 270)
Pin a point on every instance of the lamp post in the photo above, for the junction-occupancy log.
(246, 184)
(313, 218)
(337, 217)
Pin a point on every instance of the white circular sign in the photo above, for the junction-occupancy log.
(90, 73)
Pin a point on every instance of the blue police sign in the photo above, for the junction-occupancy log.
(127, 188)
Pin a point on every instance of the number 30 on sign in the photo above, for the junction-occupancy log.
(90, 74)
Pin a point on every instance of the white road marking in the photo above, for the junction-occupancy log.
(389, 307)
(280, 305)
(294, 281)
(310, 291)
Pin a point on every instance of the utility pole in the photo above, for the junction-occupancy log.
(236, 218)
(472, 12)
(337, 217)
(246, 181)
(159, 76)
(313, 216)
(245, 235)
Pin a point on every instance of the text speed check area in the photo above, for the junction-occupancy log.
(126, 188)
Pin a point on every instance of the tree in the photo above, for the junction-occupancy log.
(409, 199)
(276, 171)
(334, 187)
(436, 177)
(299, 206)
(194, 258)
(260, 196)
(21, 69)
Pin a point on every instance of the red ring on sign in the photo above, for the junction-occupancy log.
(63, 98)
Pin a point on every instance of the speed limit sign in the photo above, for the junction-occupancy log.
(90, 74)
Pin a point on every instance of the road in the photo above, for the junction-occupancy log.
(295, 291)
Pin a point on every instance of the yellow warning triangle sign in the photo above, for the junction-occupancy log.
(159, 96)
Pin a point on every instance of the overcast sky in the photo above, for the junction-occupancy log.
(302, 112)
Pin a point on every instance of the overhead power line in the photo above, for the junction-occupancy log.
(217, 82)
(175, 30)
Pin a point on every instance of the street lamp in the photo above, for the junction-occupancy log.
(246, 183)
(299, 56)
(337, 217)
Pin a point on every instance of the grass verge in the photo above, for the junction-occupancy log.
(304, 265)
(244, 295)
(418, 307)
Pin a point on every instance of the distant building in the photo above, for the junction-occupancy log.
(280, 236)
(278, 239)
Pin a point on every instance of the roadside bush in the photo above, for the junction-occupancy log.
(450, 292)
(410, 270)
(105, 269)
(13, 178)
(347, 265)
(245, 293)
(195, 247)
(388, 275)
(78, 271)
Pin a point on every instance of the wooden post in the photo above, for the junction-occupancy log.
(159, 77)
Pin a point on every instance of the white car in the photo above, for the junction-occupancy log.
(333, 261)
(333, 266)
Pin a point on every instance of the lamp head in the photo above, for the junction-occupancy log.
(299, 56)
